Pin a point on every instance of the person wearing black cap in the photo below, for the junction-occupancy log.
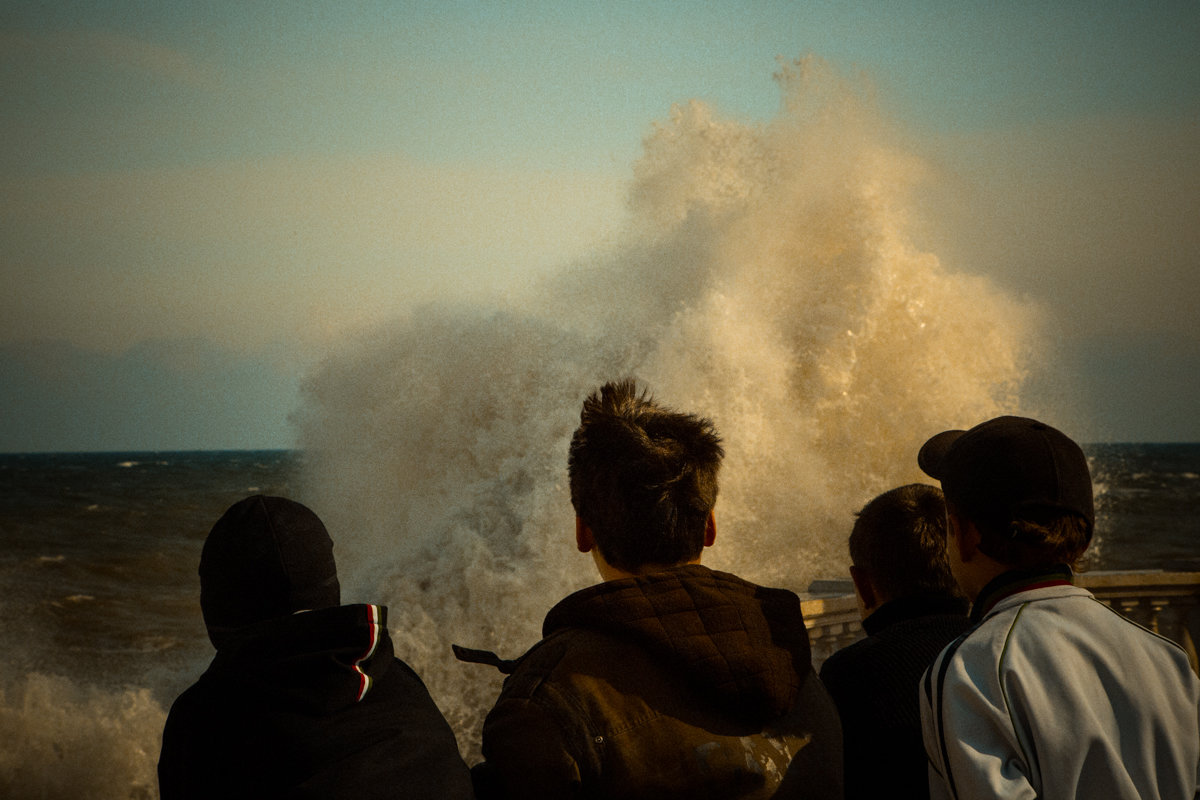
(1051, 694)
(304, 698)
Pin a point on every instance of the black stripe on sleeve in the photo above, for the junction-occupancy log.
(947, 657)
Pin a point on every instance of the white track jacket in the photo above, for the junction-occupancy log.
(1053, 695)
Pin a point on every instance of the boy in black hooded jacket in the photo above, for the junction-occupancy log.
(304, 698)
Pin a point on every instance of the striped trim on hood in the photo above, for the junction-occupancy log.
(373, 625)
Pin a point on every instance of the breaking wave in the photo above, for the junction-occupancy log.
(767, 277)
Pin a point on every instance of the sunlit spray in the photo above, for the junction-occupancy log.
(767, 278)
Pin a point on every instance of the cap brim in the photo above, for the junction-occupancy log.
(932, 456)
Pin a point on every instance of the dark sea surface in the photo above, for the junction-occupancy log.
(99, 619)
(98, 554)
(98, 551)
(1147, 506)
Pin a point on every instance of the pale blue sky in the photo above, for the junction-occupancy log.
(546, 83)
(254, 181)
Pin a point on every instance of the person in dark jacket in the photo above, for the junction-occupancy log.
(911, 609)
(668, 679)
(304, 698)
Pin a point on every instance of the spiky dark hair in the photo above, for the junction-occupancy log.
(643, 477)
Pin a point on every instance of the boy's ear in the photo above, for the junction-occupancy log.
(867, 597)
(966, 536)
(583, 536)
(971, 539)
(710, 530)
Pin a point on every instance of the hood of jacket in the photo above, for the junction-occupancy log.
(315, 662)
(743, 644)
(266, 557)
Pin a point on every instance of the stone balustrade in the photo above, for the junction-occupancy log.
(1167, 603)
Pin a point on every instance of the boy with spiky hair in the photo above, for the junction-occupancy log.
(667, 679)
(644, 479)
(1051, 694)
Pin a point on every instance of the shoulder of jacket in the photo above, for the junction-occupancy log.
(986, 639)
(567, 653)
(400, 671)
(1120, 619)
(844, 662)
(538, 663)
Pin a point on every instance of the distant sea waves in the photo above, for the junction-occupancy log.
(100, 627)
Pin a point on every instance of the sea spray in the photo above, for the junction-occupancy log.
(64, 740)
(767, 278)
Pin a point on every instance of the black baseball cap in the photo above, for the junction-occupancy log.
(1007, 467)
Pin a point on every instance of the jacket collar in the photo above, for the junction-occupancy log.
(1015, 581)
(907, 608)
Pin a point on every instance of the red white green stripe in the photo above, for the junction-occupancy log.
(374, 618)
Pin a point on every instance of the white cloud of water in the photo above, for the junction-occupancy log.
(768, 280)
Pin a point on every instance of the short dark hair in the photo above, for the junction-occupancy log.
(899, 538)
(643, 477)
(1038, 538)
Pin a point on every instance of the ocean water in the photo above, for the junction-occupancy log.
(100, 625)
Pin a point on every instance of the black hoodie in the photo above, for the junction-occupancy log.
(309, 705)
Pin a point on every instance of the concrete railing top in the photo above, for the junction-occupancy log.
(1141, 582)
(833, 600)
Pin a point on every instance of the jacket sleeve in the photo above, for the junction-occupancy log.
(525, 754)
(970, 741)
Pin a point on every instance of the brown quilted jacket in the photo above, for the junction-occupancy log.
(684, 683)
